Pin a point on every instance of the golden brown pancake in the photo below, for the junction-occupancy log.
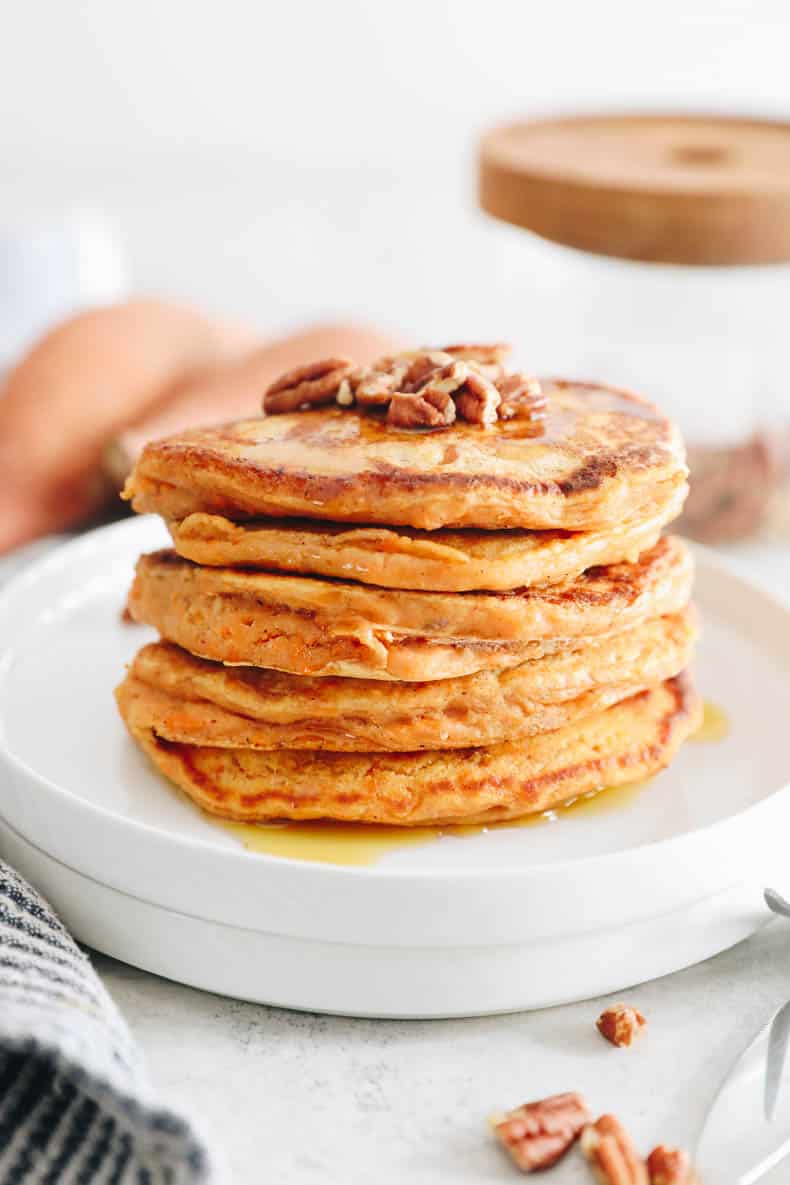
(605, 457)
(193, 700)
(203, 723)
(313, 626)
(401, 557)
(190, 700)
(290, 644)
(628, 741)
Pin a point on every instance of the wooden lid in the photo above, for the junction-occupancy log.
(661, 188)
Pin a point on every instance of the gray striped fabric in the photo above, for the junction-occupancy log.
(76, 1106)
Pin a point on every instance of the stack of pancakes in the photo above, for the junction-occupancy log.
(375, 624)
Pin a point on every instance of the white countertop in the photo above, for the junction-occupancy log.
(300, 1099)
(297, 1098)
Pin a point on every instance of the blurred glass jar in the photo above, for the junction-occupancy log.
(710, 346)
(677, 284)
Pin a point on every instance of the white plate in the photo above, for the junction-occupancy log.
(506, 919)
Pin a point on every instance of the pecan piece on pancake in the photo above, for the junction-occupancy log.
(669, 1166)
(448, 379)
(376, 386)
(489, 355)
(620, 1024)
(307, 386)
(478, 399)
(345, 392)
(422, 368)
(522, 397)
(473, 375)
(611, 1153)
(426, 409)
(539, 1134)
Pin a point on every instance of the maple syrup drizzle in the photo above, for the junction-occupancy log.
(715, 724)
(363, 844)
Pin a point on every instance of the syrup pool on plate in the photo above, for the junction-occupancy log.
(715, 724)
(364, 843)
(361, 844)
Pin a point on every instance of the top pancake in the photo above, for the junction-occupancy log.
(605, 457)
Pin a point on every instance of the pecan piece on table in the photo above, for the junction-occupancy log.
(621, 1024)
(425, 409)
(539, 1134)
(669, 1166)
(307, 386)
(522, 397)
(611, 1153)
(478, 399)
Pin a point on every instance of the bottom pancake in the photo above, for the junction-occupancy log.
(628, 741)
(190, 700)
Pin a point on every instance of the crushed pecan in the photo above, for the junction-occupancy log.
(377, 388)
(423, 367)
(488, 355)
(669, 1166)
(426, 409)
(522, 397)
(473, 375)
(307, 386)
(345, 393)
(478, 399)
(621, 1024)
(611, 1153)
(448, 379)
(538, 1134)
(493, 371)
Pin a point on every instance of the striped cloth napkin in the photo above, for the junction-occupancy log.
(76, 1106)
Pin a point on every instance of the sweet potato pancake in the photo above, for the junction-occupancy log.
(429, 591)
(310, 626)
(603, 457)
(401, 557)
(187, 699)
(630, 740)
